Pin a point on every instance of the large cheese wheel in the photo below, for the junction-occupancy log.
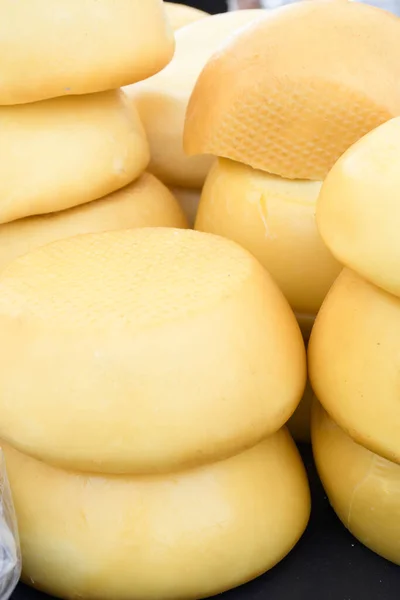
(131, 354)
(189, 201)
(275, 220)
(143, 203)
(180, 15)
(354, 362)
(358, 211)
(60, 153)
(291, 93)
(64, 47)
(363, 488)
(187, 535)
(162, 100)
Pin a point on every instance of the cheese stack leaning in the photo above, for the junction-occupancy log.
(146, 442)
(278, 105)
(354, 357)
(162, 101)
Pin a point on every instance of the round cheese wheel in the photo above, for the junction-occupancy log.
(143, 203)
(358, 213)
(363, 488)
(189, 201)
(180, 15)
(162, 100)
(354, 362)
(60, 153)
(188, 535)
(297, 88)
(132, 357)
(274, 219)
(68, 47)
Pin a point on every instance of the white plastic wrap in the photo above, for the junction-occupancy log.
(10, 557)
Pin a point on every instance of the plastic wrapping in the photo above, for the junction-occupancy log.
(10, 556)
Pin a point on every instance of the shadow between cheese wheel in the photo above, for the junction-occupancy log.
(147, 350)
(363, 488)
(189, 201)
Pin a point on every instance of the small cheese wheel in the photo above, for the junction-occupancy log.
(354, 362)
(189, 201)
(363, 488)
(297, 88)
(180, 15)
(358, 212)
(188, 535)
(162, 100)
(143, 203)
(131, 353)
(274, 219)
(66, 47)
(68, 151)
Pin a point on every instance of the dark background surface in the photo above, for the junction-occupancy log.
(211, 6)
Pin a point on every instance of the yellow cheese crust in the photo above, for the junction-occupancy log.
(132, 356)
(291, 93)
(60, 153)
(66, 47)
(143, 203)
(180, 15)
(363, 488)
(354, 362)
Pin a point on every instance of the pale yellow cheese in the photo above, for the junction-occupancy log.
(52, 48)
(291, 93)
(162, 100)
(131, 353)
(354, 362)
(363, 488)
(358, 211)
(143, 203)
(275, 220)
(189, 201)
(64, 152)
(180, 15)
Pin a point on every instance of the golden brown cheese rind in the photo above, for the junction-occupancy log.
(291, 93)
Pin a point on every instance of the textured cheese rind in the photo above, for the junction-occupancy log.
(60, 153)
(162, 100)
(189, 201)
(291, 93)
(68, 47)
(274, 219)
(180, 15)
(176, 537)
(363, 488)
(354, 362)
(358, 211)
(144, 203)
(131, 353)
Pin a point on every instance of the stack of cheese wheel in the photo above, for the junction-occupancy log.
(73, 150)
(354, 352)
(278, 105)
(143, 429)
(162, 102)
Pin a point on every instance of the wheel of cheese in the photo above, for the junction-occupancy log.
(132, 357)
(180, 15)
(297, 88)
(69, 47)
(143, 203)
(274, 219)
(189, 201)
(188, 535)
(162, 100)
(358, 213)
(354, 362)
(64, 152)
(363, 488)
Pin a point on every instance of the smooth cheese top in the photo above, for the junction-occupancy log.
(363, 488)
(354, 362)
(291, 93)
(274, 219)
(66, 47)
(186, 536)
(358, 212)
(143, 203)
(132, 356)
(64, 152)
(162, 100)
(180, 15)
